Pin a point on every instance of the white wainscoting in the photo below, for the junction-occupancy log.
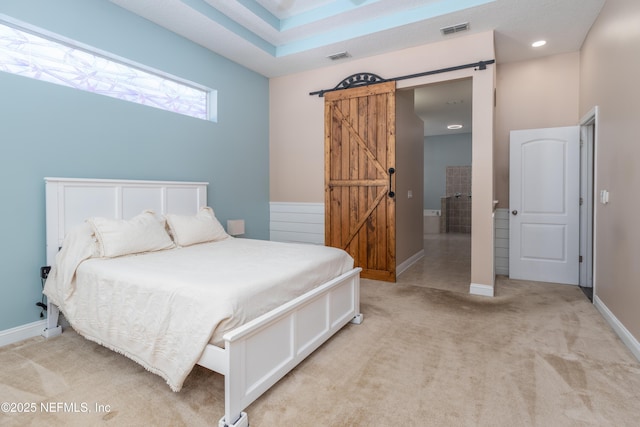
(297, 222)
(501, 241)
(304, 223)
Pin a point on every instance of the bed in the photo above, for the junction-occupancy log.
(200, 300)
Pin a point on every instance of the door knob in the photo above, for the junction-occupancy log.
(514, 212)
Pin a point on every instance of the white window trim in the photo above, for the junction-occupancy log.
(212, 95)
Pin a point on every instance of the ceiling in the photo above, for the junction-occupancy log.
(442, 104)
(280, 37)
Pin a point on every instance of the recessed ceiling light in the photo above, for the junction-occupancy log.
(539, 43)
(453, 127)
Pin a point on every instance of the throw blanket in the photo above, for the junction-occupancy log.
(162, 308)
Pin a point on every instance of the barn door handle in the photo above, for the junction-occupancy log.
(391, 172)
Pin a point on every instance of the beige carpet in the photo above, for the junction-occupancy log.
(535, 355)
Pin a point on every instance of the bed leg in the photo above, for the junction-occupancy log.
(52, 329)
(357, 319)
(243, 421)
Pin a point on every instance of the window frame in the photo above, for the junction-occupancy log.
(211, 95)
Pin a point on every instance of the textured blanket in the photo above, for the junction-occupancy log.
(162, 308)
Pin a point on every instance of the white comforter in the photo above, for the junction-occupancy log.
(161, 309)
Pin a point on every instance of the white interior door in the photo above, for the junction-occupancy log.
(544, 199)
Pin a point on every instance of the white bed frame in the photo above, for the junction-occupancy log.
(257, 354)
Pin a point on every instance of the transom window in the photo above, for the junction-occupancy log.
(40, 57)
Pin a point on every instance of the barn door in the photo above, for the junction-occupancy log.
(359, 180)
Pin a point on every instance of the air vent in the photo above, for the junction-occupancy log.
(339, 55)
(454, 28)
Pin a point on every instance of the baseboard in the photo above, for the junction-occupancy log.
(624, 334)
(22, 332)
(482, 290)
(408, 263)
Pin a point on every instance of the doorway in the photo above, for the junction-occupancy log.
(482, 273)
(446, 110)
(552, 204)
(587, 200)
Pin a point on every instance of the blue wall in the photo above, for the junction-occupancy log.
(439, 152)
(50, 130)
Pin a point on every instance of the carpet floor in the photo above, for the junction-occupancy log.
(535, 355)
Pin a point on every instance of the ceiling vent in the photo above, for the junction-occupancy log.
(454, 28)
(339, 55)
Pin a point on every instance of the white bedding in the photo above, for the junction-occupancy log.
(162, 308)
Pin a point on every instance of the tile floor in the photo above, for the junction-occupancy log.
(446, 263)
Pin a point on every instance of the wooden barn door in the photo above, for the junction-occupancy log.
(359, 181)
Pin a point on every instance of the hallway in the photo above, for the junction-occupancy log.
(446, 263)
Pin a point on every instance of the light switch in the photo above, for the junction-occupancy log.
(604, 197)
(409, 194)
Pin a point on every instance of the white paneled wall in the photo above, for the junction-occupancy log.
(501, 224)
(297, 222)
(304, 223)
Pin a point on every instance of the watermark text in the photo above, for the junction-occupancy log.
(53, 407)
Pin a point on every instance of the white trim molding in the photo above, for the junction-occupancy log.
(22, 332)
(482, 290)
(627, 338)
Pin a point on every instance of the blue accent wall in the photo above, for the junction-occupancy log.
(439, 152)
(51, 130)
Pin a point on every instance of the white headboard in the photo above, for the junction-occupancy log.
(70, 201)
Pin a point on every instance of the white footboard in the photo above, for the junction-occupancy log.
(261, 352)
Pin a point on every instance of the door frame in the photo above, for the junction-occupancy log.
(588, 171)
(482, 146)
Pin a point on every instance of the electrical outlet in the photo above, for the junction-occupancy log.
(44, 271)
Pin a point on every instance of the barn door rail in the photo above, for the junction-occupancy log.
(366, 79)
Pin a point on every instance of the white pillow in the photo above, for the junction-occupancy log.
(191, 229)
(142, 233)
